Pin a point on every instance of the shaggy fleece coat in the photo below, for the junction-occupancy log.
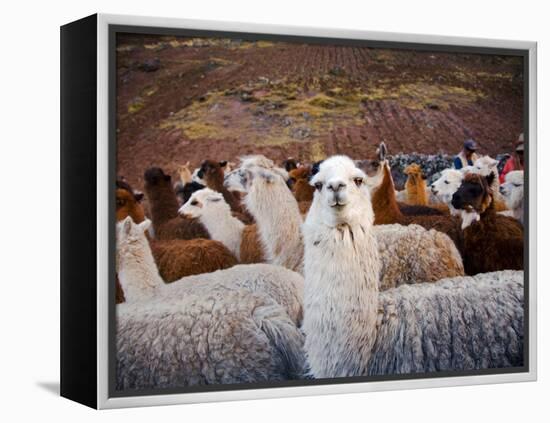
(411, 254)
(462, 323)
(212, 337)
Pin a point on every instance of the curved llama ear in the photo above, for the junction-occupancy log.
(126, 225)
(145, 225)
(382, 151)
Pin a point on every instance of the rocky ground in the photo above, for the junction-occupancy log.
(188, 99)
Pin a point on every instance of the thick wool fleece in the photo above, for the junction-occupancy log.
(411, 254)
(215, 336)
(462, 323)
(178, 258)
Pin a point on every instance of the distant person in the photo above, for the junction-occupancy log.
(515, 162)
(467, 156)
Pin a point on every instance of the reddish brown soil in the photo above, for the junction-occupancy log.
(249, 98)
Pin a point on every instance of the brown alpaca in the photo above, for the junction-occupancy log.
(299, 180)
(178, 258)
(416, 185)
(494, 242)
(213, 173)
(167, 223)
(386, 210)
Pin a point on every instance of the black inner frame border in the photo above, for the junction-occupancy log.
(114, 30)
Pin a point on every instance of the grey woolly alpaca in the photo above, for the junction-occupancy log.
(218, 336)
(353, 329)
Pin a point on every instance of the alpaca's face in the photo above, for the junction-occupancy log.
(474, 194)
(414, 170)
(447, 184)
(485, 165)
(238, 180)
(512, 189)
(202, 202)
(341, 196)
(127, 204)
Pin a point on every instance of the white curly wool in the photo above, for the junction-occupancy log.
(351, 329)
(140, 280)
(217, 335)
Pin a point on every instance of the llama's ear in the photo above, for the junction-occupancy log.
(167, 178)
(382, 151)
(490, 178)
(126, 226)
(145, 225)
(423, 175)
(223, 163)
(138, 195)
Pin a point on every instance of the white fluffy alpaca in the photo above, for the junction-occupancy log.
(275, 211)
(446, 186)
(351, 329)
(136, 268)
(512, 192)
(141, 281)
(214, 213)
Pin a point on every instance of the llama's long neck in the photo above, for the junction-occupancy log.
(342, 268)
(279, 222)
(216, 183)
(225, 228)
(384, 203)
(137, 271)
(416, 190)
(163, 204)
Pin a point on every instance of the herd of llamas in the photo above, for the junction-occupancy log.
(257, 271)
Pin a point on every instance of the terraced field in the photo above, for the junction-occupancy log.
(181, 99)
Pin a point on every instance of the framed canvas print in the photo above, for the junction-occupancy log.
(254, 211)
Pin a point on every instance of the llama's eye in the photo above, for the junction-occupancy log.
(319, 186)
(358, 181)
(119, 202)
(194, 203)
(447, 182)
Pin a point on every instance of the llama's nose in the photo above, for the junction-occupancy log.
(502, 189)
(336, 186)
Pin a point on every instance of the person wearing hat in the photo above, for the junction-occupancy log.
(467, 156)
(515, 162)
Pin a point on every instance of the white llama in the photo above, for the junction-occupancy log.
(351, 329)
(275, 211)
(444, 188)
(214, 213)
(512, 192)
